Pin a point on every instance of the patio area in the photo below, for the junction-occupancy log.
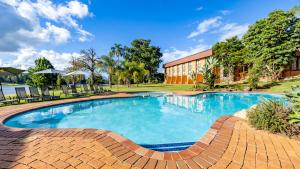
(229, 143)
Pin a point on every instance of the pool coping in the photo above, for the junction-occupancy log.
(205, 152)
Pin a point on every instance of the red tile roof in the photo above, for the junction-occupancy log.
(196, 56)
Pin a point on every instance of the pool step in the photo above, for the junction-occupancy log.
(168, 147)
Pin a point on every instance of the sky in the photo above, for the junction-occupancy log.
(58, 29)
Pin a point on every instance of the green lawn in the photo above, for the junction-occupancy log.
(284, 86)
(276, 88)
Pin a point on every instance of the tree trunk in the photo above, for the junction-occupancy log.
(92, 77)
(109, 80)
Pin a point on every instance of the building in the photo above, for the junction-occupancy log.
(178, 71)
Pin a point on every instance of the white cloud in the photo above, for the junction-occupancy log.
(60, 35)
(233, 29)
(21, 25)
(205, 26)
(25, 58)
(225, 12)
(174, 53)
(218, 26)
(200, 8)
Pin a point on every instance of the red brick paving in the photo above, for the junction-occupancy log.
(229, 143)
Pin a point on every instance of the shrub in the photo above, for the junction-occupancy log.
(201, 87)
(254, 75)
(272, 115)
(294, 97)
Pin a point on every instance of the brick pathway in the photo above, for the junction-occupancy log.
(229, 143)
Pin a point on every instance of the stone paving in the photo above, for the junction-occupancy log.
(229, 143)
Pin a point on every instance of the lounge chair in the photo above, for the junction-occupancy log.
(86, 89)
(34, 93)
(92, 89)
(22, 95)
(4, 100)
(46, 94)
(99, 89)
(66, 92)
(96, 89)
(104, 90)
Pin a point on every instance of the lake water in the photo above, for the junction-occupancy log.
(7, 90)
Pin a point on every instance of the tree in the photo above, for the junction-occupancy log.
(208, 73)
(296, 36)
(269, 44)
(193, 77)
(88, 61)
(118, 51)
(40, 79)
(142, 52)
(74, 64)
(229, 54)
(108, 64)
(138, 72)
(132, 71)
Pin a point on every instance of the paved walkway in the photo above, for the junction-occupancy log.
(230, 143)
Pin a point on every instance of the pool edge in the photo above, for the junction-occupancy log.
(217, 137)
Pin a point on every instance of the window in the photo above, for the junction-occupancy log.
(190, 68)
(296, 63)
(198, 66)
(178, 70)
(173, 71)
(183, 69)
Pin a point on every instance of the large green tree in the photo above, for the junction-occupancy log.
(296, 36)
(269, 44)
(141, 51)
(40, 79)
(229, 54)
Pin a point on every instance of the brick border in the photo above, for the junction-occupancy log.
(203, 154)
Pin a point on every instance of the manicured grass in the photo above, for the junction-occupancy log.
(279, 87)
(283, 86)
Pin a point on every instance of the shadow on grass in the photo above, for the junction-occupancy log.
(268, 85)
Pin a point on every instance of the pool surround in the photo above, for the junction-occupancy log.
(205, 152)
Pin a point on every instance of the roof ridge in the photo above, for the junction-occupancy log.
(187, 56)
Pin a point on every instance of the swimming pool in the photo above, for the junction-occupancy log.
(145, 120)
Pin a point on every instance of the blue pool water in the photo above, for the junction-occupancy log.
(145, 120)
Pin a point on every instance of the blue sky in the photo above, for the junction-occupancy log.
(59, 29)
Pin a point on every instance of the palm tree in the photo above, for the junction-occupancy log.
(208, 71)
(108, 64)
(193, 77)
(118, 51)
(139, 72)
(132, 71)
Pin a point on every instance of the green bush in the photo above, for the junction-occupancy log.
(273, 116)
(201, 87)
